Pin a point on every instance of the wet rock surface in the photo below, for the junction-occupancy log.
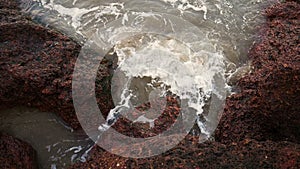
(189, 154)
(257, 122)
(36, 65)
(267, 108)
(259, 128)
(15, 153)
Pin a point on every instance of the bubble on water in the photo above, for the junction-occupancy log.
(183, 5)
(168, 54)
(189, 75)
(227, 32)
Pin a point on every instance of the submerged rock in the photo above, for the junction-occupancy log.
(15, 153)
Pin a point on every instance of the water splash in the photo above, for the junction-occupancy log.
(179, 70)
(231, 24)
(228, 32)
(183, 5)
(228, 28)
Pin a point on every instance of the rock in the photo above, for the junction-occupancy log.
(256, 122)
(267, 108)
(36, 65)
(15, 153)
(188, 154)
(9, 4)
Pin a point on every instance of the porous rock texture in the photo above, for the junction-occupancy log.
(190, 154)
(15, 154)
(36, 65)
(260, 125)
(268, 106)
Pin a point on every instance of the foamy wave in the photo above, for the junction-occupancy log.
(189, 75)
(183, 5)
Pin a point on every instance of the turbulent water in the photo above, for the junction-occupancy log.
(195, 48)
(230, 23)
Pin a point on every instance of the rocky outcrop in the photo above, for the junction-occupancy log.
(256, 122)
(15, 153)
(36, 65)
(267, 108)
(244, 154)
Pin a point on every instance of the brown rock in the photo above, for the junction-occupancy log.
(15, 154)
(36, 65)
(9, 4)
(267, 108)
(244, 154)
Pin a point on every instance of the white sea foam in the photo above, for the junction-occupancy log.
(188, 74)
(183, 5)
(74, 13)
(194, 75)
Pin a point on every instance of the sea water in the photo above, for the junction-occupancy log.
(56, 144)
(203, 62)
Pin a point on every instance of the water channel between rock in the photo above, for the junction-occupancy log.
(228, 27)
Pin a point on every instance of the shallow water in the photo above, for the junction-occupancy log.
(208, 43)
(232, 24)
(56, 144)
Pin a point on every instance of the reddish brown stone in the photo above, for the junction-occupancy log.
(15, 154)
(30, 72)
(143, 130)
(267, 108)
(36, 65)
(244, 154)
